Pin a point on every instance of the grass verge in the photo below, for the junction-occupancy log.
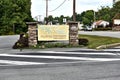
(95, 41)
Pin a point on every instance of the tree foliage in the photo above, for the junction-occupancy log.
(13, 15)
(58, 19)
(88, 17)
(107, 13)
(104, 14)
(116, 9)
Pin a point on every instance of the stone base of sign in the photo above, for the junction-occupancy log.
(32, 33)
(116, 28)
(73, 33)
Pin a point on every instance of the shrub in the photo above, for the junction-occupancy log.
(22, 42)
(102, 29)
(83, 41)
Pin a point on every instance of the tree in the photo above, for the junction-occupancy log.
(104, 14)
(78, 17)
(50, 18)
(14, 13)
(61, 19)
(87, 17)
(116, 8)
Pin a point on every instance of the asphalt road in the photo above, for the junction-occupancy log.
(61, 69)
(115, 34)
(8, 41)
(75, 71)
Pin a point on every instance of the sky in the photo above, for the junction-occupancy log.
(38, 7)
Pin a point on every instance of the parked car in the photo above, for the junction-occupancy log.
(88, 28)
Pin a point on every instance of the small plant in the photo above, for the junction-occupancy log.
(83, 41)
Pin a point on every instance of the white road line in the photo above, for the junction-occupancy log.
(112, 50)
(63, 57)
(10, 62)
(55, 52)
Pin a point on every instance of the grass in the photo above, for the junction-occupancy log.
(95, 41)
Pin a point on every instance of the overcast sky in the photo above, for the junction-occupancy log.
(39, 6)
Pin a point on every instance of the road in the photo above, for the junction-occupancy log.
(65, 65)
(81, 71)
(8, 41)
(115, 34)
(58, 64)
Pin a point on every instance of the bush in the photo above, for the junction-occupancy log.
(83, 41)
(22, 42)
(52, 45)
(103, 29)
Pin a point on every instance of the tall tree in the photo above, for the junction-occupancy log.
(104, 14)
(61, 19)
(87, 17)
(13, 15)
(116, 8)
(50, 18)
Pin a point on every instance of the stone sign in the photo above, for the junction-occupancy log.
(33, 33)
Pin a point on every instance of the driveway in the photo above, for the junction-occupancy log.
(8, 41)
(115, 34)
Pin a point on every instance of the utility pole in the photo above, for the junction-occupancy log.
(46, 12)
(74, 10)
(46, 8)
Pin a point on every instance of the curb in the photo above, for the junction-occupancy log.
(108, 46)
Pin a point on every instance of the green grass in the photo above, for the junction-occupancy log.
(95, 41)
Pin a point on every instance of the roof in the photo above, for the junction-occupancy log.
(100, 22)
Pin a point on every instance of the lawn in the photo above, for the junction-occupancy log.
(95, 41)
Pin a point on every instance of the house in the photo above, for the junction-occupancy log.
(100, 23)
(116, 22)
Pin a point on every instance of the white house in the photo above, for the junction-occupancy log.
(100, 23)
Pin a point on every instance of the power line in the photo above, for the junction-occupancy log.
(58, 6)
